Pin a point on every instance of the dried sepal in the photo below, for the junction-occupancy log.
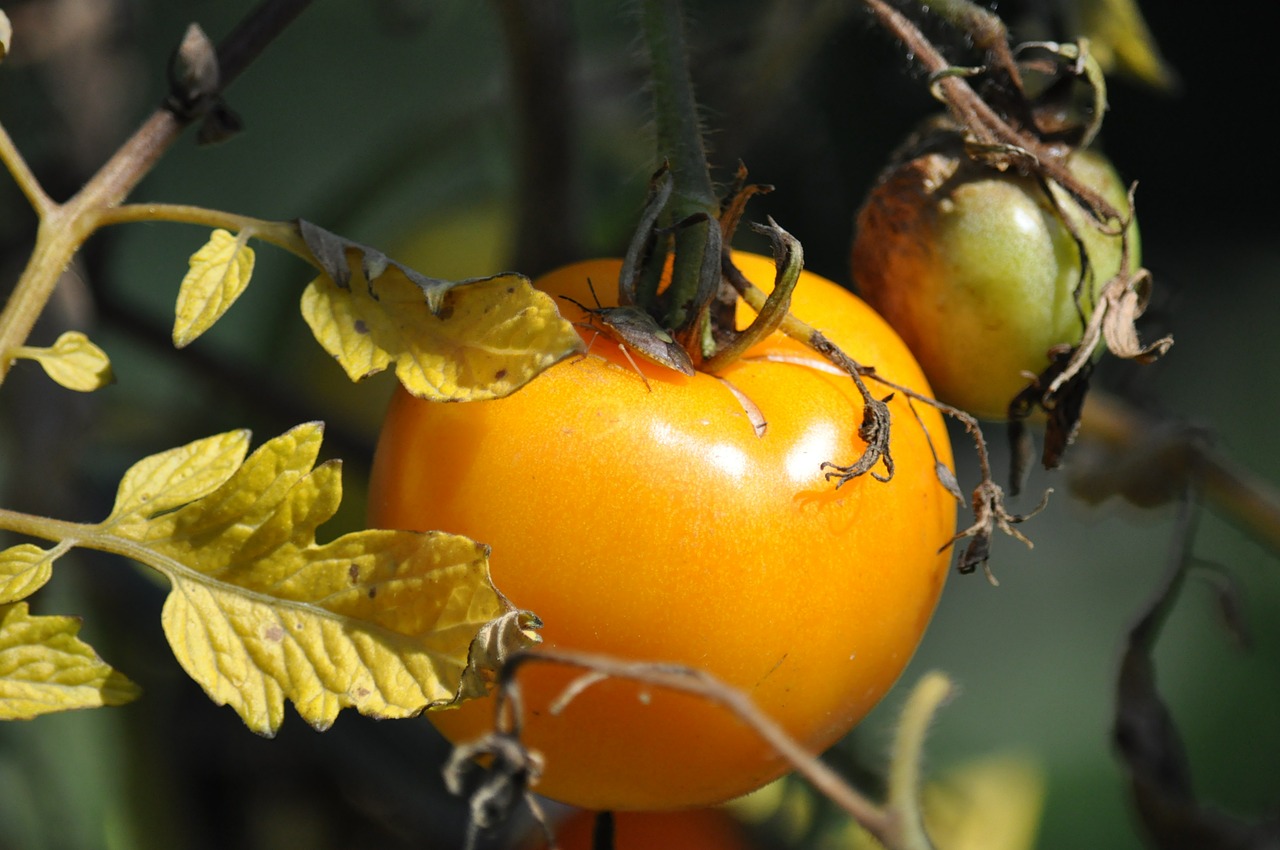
(874, 431)
(504, 783)
(990, 515)
(1062, 402)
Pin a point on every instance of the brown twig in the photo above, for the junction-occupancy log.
(689, 680)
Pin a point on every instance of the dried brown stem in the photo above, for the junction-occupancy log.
(988, 129)
(689, 680)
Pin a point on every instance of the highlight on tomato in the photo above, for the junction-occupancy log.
(637, 512)
(983, 271)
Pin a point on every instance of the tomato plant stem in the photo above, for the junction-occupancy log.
(282, 234)
(22, 174)
(908, 750)
(693, 208)
(690, 680)
(64, 227)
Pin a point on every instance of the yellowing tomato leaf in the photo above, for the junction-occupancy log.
(449, 340)
(993, 803)
(218, 274)
(386, 622)
(24, 569)
(45, 668)
(175, 477)
(72, 361)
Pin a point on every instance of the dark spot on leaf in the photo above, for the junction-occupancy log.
(446, 313)
(275, 634)
(353, 573)
(511, 290)
(361, 327)
(502, 373)
(373, 591)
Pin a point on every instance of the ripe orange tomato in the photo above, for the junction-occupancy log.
(687, 829)
(656, 526)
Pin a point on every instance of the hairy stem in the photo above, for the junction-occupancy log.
(908, 752)
(693, 207)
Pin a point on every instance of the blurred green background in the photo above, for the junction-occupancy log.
(392, 123)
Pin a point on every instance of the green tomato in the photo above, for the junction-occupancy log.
(977, 271)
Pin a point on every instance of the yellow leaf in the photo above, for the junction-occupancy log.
(218, 273)
(73, 361)
(449, 341)
(45, 668)
(24, 569)
(175, 477)
(993, 803)
(1120, 40)
(387, 622)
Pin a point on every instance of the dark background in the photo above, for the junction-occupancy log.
(391, 123)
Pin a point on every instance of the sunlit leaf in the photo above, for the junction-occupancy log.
(175, 477)
(448, 341)
(45, 668)
(994, 803)
(24, 569)
(72, 361)
(218, 274)
(387, 622)
(1120, 39)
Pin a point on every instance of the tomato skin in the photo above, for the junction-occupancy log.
(656, 526)
(977, 271)
(688, 829)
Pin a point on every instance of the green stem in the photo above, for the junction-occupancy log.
(680, 144)
(908, 751)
